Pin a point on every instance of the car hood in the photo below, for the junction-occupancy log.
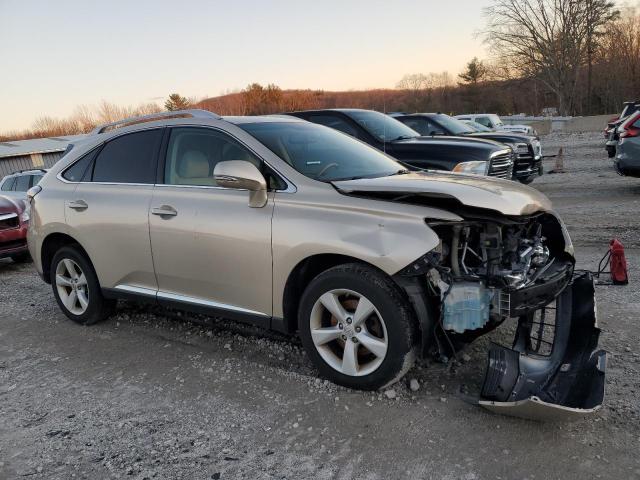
(451, 140)
(504, 196)
(9, 205)
(504, 136)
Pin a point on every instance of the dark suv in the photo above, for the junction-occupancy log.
(457, 154)
(528, 163)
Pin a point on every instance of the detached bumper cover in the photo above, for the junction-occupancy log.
(567, 383)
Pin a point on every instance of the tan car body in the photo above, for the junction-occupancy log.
(219, 252)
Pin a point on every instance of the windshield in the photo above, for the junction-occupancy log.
(477, 126)
(381, 126)
(453, 125)
(322, 153)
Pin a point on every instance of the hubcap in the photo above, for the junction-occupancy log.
(71, 284)
(348, 332)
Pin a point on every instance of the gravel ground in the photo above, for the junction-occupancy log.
(152, 393)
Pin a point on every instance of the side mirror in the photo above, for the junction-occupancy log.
(242, 175)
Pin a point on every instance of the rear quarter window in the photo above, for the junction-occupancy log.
(81, 168)
(7, 186)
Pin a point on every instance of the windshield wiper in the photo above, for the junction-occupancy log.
(404, 171)
(401, 137)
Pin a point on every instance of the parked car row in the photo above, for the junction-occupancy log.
(611, 132)
(300, 228)
(437, 142)
(627, 159)
(528, 149)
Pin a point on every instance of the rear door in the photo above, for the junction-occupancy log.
(108, 211)
(210, 249)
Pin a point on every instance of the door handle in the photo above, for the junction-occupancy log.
(78, 205)
(164, 211)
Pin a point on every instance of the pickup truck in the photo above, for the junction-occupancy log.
(458, 154)
(528, 163)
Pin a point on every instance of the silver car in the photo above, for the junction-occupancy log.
(15, 185)
(627, 159)
(299, 228)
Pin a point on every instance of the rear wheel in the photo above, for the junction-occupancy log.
(357, 327)
(611, 152)
(76, 288)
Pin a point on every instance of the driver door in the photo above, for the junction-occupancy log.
(210, 249)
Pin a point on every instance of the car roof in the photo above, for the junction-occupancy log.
(238, 120)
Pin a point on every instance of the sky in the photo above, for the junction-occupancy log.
(56, 55)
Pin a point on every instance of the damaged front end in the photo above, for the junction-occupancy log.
(489, 268)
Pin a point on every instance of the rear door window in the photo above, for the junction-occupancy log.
(130, 158)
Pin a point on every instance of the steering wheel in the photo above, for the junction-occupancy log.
(324, 170)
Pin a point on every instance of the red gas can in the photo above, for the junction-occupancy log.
(618, 263)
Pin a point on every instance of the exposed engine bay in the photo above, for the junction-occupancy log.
(487, 271)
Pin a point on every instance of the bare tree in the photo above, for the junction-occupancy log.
(599, 14)
(417, 84)
(542, 39)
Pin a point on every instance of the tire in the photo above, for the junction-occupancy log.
(21, 258)
(362, 363)
(611, 152)
(73, 278)
(528, 180)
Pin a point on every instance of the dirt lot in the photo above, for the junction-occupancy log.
(150, 394)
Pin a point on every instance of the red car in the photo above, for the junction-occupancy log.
(14, 220)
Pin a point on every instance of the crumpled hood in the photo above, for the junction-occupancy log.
(504, 196)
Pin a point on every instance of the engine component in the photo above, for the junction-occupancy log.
(466, 306)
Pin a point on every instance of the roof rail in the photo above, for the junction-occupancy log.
(34, 169)
(193, 113)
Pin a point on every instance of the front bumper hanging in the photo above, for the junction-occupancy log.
(568, 383)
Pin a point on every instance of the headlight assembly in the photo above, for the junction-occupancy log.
(475, 167)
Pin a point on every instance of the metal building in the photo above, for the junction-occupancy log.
(34, 153)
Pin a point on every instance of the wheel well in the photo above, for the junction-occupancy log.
(301, 276)
(51, 245)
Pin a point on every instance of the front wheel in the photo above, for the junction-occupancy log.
(357, 327)
(76, 288)
(528, 180)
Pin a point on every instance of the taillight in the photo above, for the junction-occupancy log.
(630, 132)
(630, 128)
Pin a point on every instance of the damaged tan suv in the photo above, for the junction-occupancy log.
(299, 228)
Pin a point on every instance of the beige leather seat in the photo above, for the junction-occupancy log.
(193, 168)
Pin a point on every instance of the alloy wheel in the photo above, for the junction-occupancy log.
(348, 332)
(71, 284)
